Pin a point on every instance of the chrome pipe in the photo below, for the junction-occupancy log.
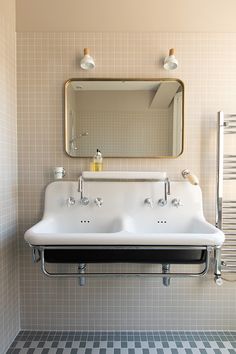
(166, 270)
(82, 270)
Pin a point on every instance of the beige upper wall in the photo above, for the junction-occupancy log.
(126, 15)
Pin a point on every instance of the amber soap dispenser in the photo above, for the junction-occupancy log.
(96, 165)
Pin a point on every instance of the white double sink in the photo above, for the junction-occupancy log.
(123, 218)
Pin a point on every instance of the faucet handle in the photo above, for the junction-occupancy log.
(98, 201)
(162, 202)
(148, 202)
(84, 201)
(70, 201)
(176, 202)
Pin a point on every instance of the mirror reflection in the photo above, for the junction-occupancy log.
(124, 118)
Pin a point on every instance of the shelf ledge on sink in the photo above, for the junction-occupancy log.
(124, 175)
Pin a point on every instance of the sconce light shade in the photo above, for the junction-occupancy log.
(170, 62)
(87, 62)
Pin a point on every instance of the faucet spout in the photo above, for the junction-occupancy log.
(167, 188)
(83, 200)
(80, 187)
(162, 202)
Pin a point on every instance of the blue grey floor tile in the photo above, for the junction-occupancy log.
(88, 351)
(153, 342)
(188, 351)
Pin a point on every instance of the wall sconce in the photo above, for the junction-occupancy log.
(170, 62)
(87, 62)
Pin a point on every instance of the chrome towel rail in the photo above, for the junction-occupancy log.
(225, 208)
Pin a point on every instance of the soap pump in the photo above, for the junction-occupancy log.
(96, 164)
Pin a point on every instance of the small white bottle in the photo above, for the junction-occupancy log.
(96, 164)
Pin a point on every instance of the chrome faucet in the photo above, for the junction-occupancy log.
(163, 202)
(83, 200)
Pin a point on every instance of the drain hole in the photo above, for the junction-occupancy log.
(161, 221)
(84, 221)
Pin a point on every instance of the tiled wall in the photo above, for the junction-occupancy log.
(45, 62)
(9, 295)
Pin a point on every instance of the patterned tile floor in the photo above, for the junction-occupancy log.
(173, 342)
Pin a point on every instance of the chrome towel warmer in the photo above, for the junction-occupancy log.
(226, 207)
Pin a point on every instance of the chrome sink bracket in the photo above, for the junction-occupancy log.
(120, 274)
(217, 271)
(36, 256)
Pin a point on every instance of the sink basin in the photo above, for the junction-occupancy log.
(123, 219)
(54, 232)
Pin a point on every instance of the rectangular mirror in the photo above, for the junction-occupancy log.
(124, 118)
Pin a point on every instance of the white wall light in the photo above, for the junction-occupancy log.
(87, 62)
(170, 62)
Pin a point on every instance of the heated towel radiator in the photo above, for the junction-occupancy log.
(226, 188)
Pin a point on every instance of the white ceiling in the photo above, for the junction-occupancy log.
(126, 15)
